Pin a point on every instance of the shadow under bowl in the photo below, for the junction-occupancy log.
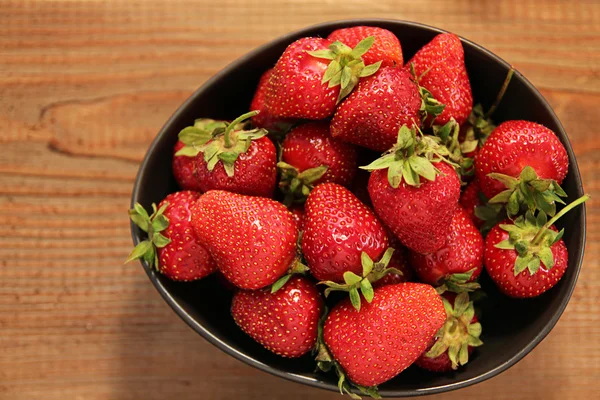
(512, 328)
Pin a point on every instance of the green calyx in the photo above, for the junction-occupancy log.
(346, 66)
(458, 332)
(490, 214)
(531, 237)
(297, 267)
(528, 191)
(326, 363)
(224, 142)
(297, 185)
(448, 135)
(153, 225)
(411, 157)
(430, 107)
(459, 283)
(371, 272)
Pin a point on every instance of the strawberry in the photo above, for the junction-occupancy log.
(380, 105)
(313, 75)
(522, 164)
(298, 214)
(527, 256)
(252, 239)
(265, 119)
(284, 322)
(469, 200)
(386, 47)
(373, 345)
(337, 229)
(172, 248)
(412, 195)
(310, 156)
(440, 68)
(230, 158)
(184, 170)
(458, 263)
(455, 341)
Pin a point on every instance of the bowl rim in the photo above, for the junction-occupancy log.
(214, 340)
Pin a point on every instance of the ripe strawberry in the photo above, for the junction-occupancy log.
(386, 47)
(380, 105)
(414, 197)
(337, 229)
(454, 342)
(509, 150)
(526, 257)
(298, 214)
(310, 156)
(172, 248)
(313, 75)
(458, 262)
(386, 336)
(230, 158)
(265, 119)
(284, 322)
(184, 170)
(440, 68)
(252, 239)
(469, 200)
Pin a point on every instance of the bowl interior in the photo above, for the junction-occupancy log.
(511, 327)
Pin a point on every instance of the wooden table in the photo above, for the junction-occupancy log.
(85, 86)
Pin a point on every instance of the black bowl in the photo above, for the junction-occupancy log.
(512, 328)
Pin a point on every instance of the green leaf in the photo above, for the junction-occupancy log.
(367, 290)
(504, 245)
(475, 329)
(460, 304)
(546, 257)
(351, 278)
(541, 185)
(463, 354)
(387, 256)
(334, 68)
(160, 223)
(448, 307)
(521, 264)
(345, 91)
(380, 163)
(141, 210)
(160, 240)
(211, 163)
(229, 169)
(367, 263)
(437, 349)
(346, 76)
(326, 54)
(474, 341)
(280, 282)
(188, 151)
(406, 137)
(395, 173)
(192, 135)
(362, 47)
(139, 220)
(506, 180)
(513, 205)
(533, 265)
(312, 174)
(410, 177)
(423, 167)
(139, 250)
(501, 197)
(370, 69)
(453, 350)
(528, 174)
(355, 298)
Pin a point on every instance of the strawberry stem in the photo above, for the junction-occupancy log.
(562, 212)
(501, 93)
(234, 123)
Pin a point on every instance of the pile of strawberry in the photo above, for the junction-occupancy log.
(295, 200)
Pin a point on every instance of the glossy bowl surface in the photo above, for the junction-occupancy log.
(512, 328)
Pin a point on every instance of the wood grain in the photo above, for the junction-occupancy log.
(85, 86)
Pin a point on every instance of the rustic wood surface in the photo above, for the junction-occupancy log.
(85, 86)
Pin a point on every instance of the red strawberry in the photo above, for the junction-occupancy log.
(454, 342)
(337, 229)
(231, 158)
(386, 336)
(284, 322)
(414, 197)
(386, 47)
(265, 119)
(184, 170)
(513, 146)
(380, 105)
(298, 214)
(527, 257)
(252, 239)
(313, 75)
(440, 68)
(470, 199)
(310, 156)
(173, 248)
(458, 261)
